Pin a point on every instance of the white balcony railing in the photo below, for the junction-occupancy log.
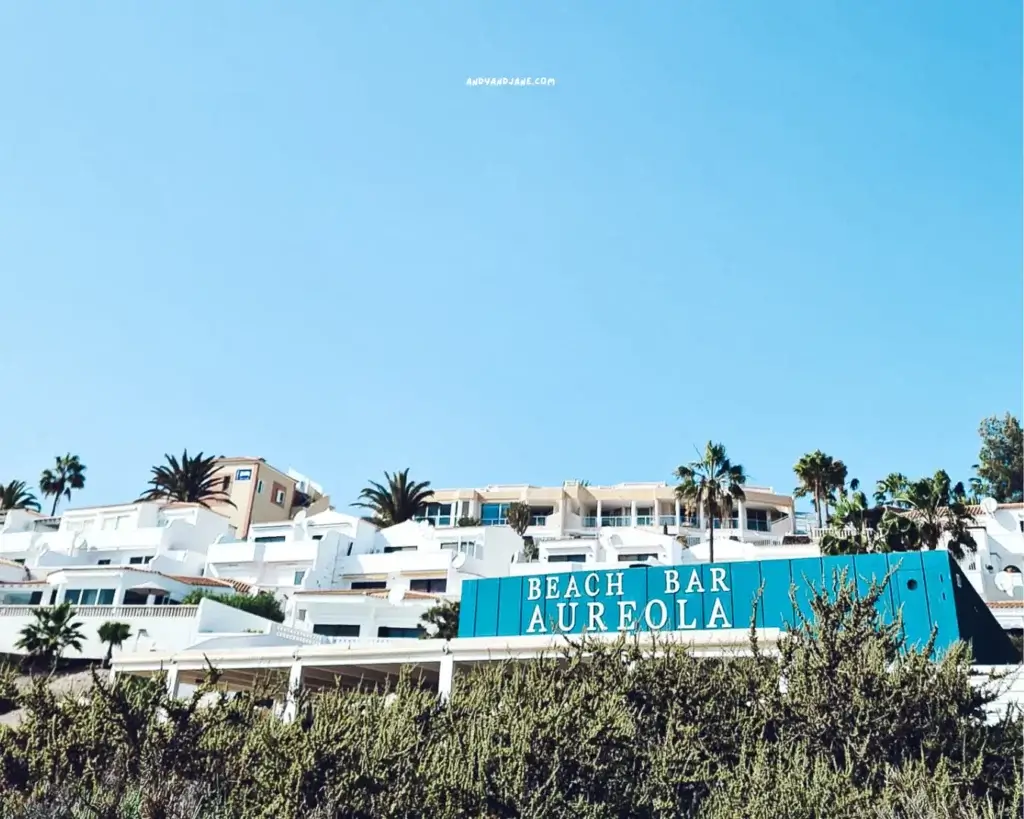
(108, 612)
(299, 635)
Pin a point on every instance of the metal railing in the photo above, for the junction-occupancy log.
(107, 611)
(645, 520)
(299, 635)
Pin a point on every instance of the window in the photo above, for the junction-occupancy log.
(135, 561)
(277, 494)
(259, 487)
(398, 631)
(271, 539)
(318, 537)
(300, 615)
(636, 558)
(567, 559)
(336, 630)
(299, 577)
(88, 597)
(494, 514)
(439, 514)
(243, 474)
(72, 596)
(104, 562)
(147, 559)
(392, 549)
(20, 561)
(431, 586)
(758, 520)
(106, 597)
(368, 585)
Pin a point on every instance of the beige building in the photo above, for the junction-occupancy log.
(576, 507)
(263, 494)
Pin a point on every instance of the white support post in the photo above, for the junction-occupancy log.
(294, 684)
(597, 520)
(632, 513)
(446, 673)
(679, 515)
(741, 517)
(172, 681)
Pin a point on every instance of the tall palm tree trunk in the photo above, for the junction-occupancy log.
(817, 505)
(56, 500)
(110, 654)
(711, 536)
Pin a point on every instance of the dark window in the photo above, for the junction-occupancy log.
(20, 561)
(35, 598)
(105, 562)
(636, 558)
(369, 585)
(392, 549)
(333, 630)
(397, 631)
(567, 559)
(106, 597)
(318, 537)
(271, 539)
(432, 586)
(134, 561)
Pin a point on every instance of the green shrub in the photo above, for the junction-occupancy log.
(263, 604)
(602, 730)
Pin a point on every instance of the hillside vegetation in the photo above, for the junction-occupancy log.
(859, 729)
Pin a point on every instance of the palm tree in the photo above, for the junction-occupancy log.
(15, 495)
(817, 473)
(853, 533)
(113, 634)
(441, 621)
(51, 633)
(939, 509)
(518, 518)
(711, 484)
(192, 480)
(399, 501)
(890, 488)
(68, 473)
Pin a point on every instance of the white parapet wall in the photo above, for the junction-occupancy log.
(154, 629)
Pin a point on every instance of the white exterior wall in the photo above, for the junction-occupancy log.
(154, 628)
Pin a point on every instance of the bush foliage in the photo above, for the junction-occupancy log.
(263, 604)
(856, 729)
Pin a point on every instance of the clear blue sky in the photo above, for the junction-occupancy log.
(291, 230)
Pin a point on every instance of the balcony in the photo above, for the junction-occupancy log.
(645, 520)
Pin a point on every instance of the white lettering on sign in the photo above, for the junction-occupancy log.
(659, 624)
(565, 624)
(655, 613)
(682, 615)
(718, 579)
(718, 613)
(537, 621)
(627, 609)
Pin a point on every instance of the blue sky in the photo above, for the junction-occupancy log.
(291, 230)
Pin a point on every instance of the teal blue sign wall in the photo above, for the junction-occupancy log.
(927, 586)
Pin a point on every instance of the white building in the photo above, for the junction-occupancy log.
(339, 579)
